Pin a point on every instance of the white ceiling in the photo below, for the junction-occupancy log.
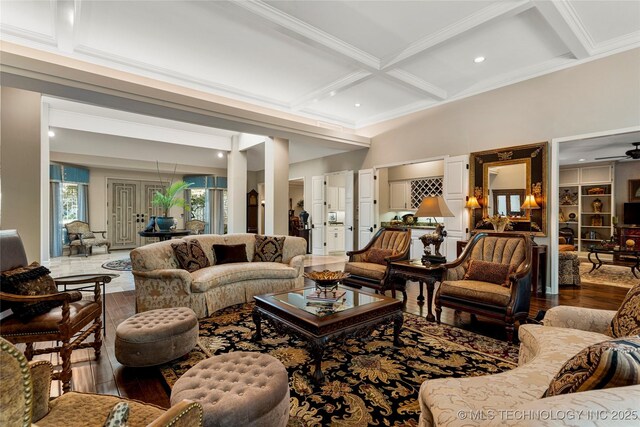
(589, 150)
(319, 58)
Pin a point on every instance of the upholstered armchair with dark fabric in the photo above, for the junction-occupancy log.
(64, 318)
(370, 266)
(477, 291)
(24, 398)
(82, 237)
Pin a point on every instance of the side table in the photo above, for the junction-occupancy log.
(417, 272)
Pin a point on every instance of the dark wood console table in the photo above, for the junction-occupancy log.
(165, 235)
(538, 266)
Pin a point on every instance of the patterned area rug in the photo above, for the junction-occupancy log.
(612, 275)
(368, 381)
(118, 265)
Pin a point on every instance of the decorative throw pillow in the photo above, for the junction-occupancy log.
(268, 249)
(627, 320)
(31, 280)
(190, 255)
(118, 416)
(492, 272)
(227, 254)
(608, 364)
(377, 255)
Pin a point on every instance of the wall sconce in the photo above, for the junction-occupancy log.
(472, 203)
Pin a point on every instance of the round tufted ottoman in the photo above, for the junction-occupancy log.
(155, 337)
(237, 389)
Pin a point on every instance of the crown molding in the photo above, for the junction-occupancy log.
(309, 32)
(628, 41)
(22, 34)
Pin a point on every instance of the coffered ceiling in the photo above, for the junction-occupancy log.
(342, 63)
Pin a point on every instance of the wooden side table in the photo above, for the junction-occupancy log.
(417, 272)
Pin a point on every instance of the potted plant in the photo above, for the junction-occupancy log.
(168, 198)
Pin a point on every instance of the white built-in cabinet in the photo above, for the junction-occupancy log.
(417, 248)
(335, 238)
(579, 188)
(399, 195)
(336, 198)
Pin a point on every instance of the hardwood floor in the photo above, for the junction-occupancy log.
(107, 376)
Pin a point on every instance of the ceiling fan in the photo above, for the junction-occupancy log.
(631, 154)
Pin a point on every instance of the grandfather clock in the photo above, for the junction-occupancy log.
(252, 211)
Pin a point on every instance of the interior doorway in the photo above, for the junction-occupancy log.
(332, 213)
(129, 210)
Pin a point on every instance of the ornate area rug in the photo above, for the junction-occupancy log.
(612, 275)
(118, 265)
(368, 381)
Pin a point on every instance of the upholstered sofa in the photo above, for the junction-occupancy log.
(161, 283)
(515, 397)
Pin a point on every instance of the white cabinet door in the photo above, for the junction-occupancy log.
(339, 239)
(341, 198)
(332, 198)
(366, 208)
(417, 248)
(455, 189)
(317, 215)
(348, 213)
(398, 196)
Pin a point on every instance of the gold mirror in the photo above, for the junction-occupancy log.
(503, 179)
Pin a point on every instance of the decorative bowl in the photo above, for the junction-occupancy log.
(326, 278)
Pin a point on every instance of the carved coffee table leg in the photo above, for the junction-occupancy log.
(430, 286)
(257, 319)
(421, 296)
(397, 327)
(317, 348)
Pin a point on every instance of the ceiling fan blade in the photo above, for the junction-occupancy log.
(611, 157)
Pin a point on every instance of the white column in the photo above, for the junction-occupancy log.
(237, 188)
(276, 186)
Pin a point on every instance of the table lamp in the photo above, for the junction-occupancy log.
(433, 206)
(529, 204)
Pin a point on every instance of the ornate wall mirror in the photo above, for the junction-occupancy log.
(502, 179)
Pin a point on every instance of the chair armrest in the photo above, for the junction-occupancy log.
(183, 414)
(584, 319)
(297, 262)
(66, 296)
(41, 373)
(170, 276)
(103, 232)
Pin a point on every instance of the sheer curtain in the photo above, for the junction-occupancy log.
(214, 211)
(83, 202)
(56, 232)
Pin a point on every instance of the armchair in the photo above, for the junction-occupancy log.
(24, 396)
(195, 226)
(509, 304)
(81, 236)
(370, 266)
(70, 323)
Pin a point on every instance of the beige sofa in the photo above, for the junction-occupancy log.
(514, 397)
(161, 283)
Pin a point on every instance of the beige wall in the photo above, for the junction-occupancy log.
(595, 96)
(416, 170)
(624, 171)
(20, 158)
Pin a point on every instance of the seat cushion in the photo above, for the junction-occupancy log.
(614, 363)
(85, 409)
(476, 291)
(366, 269)
(219, 275)
(627, 319)
(81, 313)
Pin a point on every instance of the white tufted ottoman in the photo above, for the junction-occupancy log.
(237, 389)
(155, 337)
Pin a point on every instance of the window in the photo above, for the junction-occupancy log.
(69, 202)
(508, 202)
(197, 203)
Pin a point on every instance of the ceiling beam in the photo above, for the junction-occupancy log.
(487, 14)
(308, 32)
(414, 82)
(331, 89)
(65, 18)
(562, 18)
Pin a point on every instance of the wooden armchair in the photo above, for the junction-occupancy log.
(370, 266)
(70, 323)
(24, 399)
(82, 237)
(471, 294)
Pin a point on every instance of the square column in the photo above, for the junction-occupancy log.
(236, 188)
(276, 186)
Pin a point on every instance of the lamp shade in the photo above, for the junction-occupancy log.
(472, 203)
(433, 206)
(530, 203)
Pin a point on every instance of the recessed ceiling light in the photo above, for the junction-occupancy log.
(332, 93)
(51, 134)
(478, 59)
(582, 160)
(220, 154)
(357, 104)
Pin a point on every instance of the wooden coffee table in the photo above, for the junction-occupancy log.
(359, 313)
